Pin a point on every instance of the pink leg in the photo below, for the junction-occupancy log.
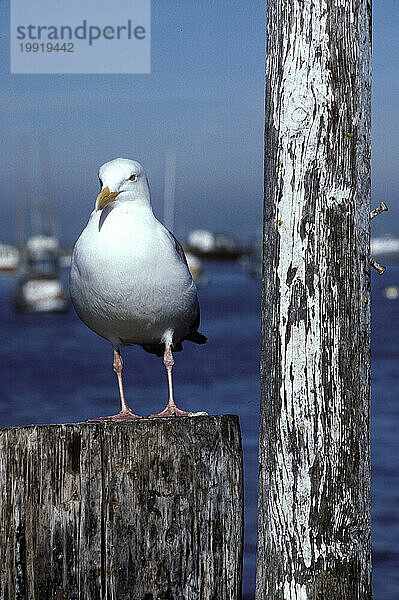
(125, 414)
(171, 410)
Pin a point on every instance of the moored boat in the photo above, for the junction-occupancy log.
(9, 258)
(214, 246)
(40, 289)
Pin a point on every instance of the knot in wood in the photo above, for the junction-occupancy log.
(299, 117)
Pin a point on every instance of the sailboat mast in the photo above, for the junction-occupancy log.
(169, 190)
(51, 220)
(20, 217)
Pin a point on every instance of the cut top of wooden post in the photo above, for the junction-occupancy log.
(144, 510)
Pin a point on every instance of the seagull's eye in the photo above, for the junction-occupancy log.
(133, 177)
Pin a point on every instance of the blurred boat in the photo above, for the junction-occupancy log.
(9, 258)
(251, 263)
(65, 258)
(385, 248)
(214, 246)
(40, 289)
(196, 269)
(391, 292)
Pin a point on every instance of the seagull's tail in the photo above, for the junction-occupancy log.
(158, 349)
(197, 337)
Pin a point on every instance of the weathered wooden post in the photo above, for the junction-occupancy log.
(314, 483)
(150, 510)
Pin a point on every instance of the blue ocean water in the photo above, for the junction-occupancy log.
(54, 370)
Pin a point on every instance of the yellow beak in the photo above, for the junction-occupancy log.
(105, 197)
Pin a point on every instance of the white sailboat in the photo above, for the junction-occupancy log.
(9, 258)
(39, 289)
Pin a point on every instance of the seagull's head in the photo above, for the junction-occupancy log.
(122, 179)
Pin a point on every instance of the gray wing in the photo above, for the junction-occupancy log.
(194, 335)
(178, 248)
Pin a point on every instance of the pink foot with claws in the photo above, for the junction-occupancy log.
(123, 415)
(171, 411)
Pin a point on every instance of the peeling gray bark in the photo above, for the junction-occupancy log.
(314, 472)
(150, 510)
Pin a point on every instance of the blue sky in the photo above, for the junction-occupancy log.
(204, 100)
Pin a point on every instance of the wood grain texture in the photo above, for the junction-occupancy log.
(150, 510)
(314, 484)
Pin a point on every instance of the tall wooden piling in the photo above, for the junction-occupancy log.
(150, 510)
(314, 482)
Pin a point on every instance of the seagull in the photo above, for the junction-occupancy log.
(130, 281)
